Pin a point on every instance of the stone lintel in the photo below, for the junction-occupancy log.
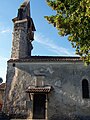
(21, 21)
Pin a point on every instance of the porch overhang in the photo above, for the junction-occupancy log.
(33, 89)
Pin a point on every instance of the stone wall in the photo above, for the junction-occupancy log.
(65, 99)
(20, 43)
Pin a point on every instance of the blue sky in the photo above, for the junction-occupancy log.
(47, 41)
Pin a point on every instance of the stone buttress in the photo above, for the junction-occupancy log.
(23, 35)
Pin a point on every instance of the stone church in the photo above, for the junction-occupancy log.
(43, 87)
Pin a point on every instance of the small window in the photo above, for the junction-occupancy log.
(13, 64)
(85, 89)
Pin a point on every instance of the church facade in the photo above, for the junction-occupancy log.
(43, 87)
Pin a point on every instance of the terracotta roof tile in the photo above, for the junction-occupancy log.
(47, 59)
(46, 89)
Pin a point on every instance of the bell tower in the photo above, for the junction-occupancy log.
(23, 32)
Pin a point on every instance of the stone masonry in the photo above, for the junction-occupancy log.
(23, 32)
(59, 86)
(65, 78)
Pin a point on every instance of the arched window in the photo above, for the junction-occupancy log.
(85, 89)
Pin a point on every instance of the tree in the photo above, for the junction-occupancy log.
(1, 80)
(72, 19)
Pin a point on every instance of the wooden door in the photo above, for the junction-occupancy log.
(39, 102)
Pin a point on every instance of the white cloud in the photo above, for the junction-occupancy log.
(58, 50)
(5, 31)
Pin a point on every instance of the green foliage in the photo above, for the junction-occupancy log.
(72, 18)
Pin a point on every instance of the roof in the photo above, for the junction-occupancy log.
(47, 59)
(45, 89)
